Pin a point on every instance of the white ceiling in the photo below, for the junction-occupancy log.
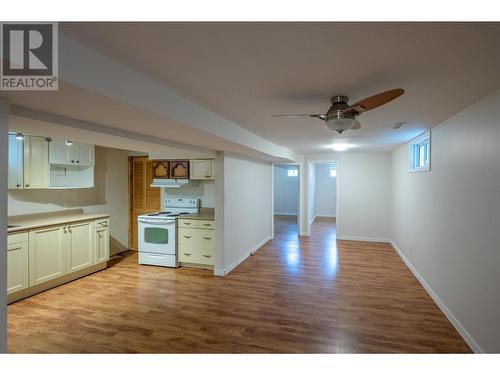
(247, 71)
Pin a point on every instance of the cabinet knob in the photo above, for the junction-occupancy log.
(187, 237)
(207, 256)
(78, 161)
(187, 254)
(27, 185)
(18, 185)
(207, 238)
(72, 161)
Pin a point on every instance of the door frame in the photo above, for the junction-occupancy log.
(299, 198)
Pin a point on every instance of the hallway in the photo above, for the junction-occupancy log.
(307, 295)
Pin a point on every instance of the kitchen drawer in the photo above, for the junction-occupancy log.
(207, 256)
(189, 236)
(187, 223)
(206, 224)
(206, 238)
(102, 222)
(17, 237)
(188, 254)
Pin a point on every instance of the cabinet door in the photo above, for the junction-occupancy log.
(60, 152)
(36, 163)
(211, 169)
(102, 243)
(16, 152)
(17, 267)
(198, 169)
(84, 155)
(161, 169)
(179, 169)
(80, 246)
(46, 254)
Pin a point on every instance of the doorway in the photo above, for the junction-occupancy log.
(322, 194)
(286, 197)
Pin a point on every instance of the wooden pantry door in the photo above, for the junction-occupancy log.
(142, 197)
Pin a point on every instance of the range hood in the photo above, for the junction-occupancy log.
(169, 183)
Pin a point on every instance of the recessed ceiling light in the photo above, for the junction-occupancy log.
(20, 136)
(399, 125)
(340, 146)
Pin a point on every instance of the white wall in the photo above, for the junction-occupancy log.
(286, 191)
(325, 196)
(247, 217)
(110, 195)
(205, 190)
(364, 188)
(4, 128)
(446, 222)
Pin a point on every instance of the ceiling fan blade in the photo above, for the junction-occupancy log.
(377, 100)
(322, 117)
(356, 125)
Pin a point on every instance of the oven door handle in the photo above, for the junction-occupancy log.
(157, 222)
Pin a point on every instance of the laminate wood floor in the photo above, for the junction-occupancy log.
(307, 295)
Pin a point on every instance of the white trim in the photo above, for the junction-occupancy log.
(319, 215)
(286, 213)
(236, 263)
(367, 239)
(312, 220)
(453, 320)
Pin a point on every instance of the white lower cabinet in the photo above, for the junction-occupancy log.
(40, 255)
(47, 255)
(102, 241)
(17, 263)
(196, 244)
(80, 246)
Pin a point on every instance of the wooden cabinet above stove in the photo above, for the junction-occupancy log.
(171, 169)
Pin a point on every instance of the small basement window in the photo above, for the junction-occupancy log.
(293, 172)
(420, 153)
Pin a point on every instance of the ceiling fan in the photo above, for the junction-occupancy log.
(342, 116)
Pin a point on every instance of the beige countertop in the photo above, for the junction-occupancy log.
(203, 214)
(47, 219)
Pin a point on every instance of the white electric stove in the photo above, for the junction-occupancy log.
(157, 232)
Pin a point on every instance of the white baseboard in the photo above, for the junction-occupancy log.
(319, 215)
(453, 320)
(286, 213)
(367, 239)
(312, 220)
(236, 263)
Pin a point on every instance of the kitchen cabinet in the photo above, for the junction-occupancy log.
(161, 169)
(17, 262)
(79, 245)
(202, 169)
(179, 169)
(196, 242)
(102, 240)
(62, 152)
(16, 156)
(47, 254)
(36, 165)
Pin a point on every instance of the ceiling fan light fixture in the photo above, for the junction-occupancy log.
(339, 125)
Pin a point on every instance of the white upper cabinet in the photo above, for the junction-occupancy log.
(36, 163)
(67, 153)
(16, 155)
(202, 169)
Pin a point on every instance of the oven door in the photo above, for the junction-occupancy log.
(157, 236)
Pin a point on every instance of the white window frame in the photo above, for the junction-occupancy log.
(414, 153)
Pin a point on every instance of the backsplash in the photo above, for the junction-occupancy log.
(205, 190)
